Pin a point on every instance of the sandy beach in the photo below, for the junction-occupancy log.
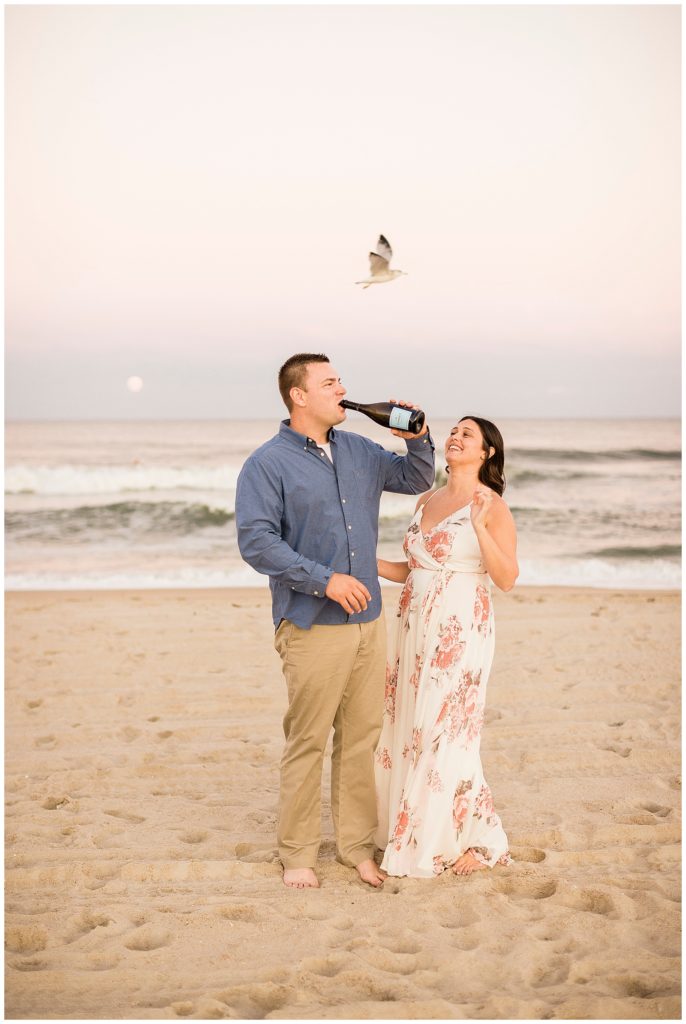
(143, 734)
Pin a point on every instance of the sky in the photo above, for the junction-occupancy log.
(192, 192)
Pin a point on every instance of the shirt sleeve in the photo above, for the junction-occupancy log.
(259, 511)
(411, 473)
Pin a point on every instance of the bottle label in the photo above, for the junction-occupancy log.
(399, 418)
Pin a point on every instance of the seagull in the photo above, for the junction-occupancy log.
(379, 263)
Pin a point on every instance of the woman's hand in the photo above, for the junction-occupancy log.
(481, 507)
(406, 433)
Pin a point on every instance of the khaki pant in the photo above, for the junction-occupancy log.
(335, 677)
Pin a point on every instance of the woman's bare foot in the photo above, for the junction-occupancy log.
(371, 873)
(467, 863)
(300, 878)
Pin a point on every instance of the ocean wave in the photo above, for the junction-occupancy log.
(657, 574)
(67, 479)
(609, 455)
(628, 552)
(91, 522)
(186, 579)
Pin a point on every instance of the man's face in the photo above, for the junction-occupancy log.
(323, 393)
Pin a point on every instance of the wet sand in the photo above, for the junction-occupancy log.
(143, 733)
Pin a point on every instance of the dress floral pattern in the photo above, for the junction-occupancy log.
(434, 803)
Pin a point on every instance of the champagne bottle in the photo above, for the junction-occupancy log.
(386, 414)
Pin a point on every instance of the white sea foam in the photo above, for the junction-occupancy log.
(657, 574)
(185, 579)
(594, 573)
(75, 479)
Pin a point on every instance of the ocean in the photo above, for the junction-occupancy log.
(151, 504)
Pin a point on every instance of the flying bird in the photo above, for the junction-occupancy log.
(379, 263)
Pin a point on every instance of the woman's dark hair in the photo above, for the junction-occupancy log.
(492, 470)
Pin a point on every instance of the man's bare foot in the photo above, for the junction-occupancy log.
(371, 873)
(467, 863)
(300, 878)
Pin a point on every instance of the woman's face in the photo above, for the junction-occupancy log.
(465, 445)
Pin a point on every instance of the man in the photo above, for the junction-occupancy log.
(307, 510)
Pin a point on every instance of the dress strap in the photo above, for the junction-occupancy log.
(425, 503)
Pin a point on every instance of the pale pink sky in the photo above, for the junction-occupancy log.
(192, 191)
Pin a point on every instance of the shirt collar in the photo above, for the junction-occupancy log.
(287, 433)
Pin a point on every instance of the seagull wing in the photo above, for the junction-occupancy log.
(384, 248)
(377, 263)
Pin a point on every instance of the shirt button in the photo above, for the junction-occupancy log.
(322, 454)
(352, 554)
(343, 500)
(350, 527)
(316, 593)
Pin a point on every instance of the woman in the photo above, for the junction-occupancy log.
(435, 808)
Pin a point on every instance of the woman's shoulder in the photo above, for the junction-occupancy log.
(500, 506)
(423, 498)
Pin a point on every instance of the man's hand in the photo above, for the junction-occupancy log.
(352, 595)
(406, 433)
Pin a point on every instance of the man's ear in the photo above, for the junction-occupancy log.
(297, 396)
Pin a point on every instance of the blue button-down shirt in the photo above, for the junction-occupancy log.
(301, 518)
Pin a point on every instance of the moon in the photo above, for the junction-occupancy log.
(135, 384)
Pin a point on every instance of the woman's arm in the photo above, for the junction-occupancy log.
(497, 536)
(396, 572)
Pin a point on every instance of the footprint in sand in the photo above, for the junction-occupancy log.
(552, 972)
(249, 853)
(396, 942)
(589, 901)
(32, 963)
(256, 1001)
(387, 961)
(614, 748)
(107, 840)
(45, 742)
(467, 940)
(657, 809)
(165, 734)
(133, 819)
(526, 888)
(33, 704)
(100, 962)
(52, 803)
(154, 718)
(460, 917)
(129, 734)
(26, 938)
(642, 987)
(327, 966)
(193, 837)
(183, 1009)
(84, 924)
(241, 912)
(527, 854)
(342, 924)
(148, 937)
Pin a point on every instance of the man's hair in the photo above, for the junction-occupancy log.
(293, 373)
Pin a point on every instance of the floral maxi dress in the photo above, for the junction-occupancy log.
(433, 800)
